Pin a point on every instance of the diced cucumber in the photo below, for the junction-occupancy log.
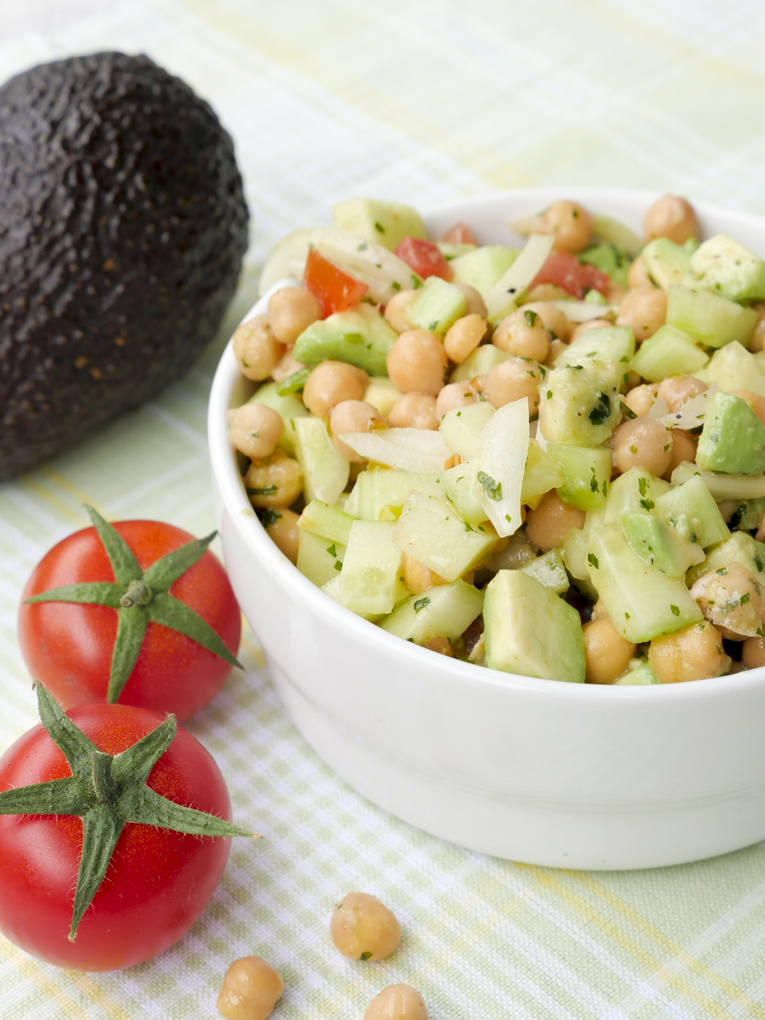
(735, 368)
(325, 471)
(370, 582)
(690, 509)
(462, 426)
(733, 437)
(611, 259)
(580, 404)
(326, 521)
(432, 531)
(539, 476)
(359, 336)
(478, 362)
(482, 267)
(731, 269)
(721, 486)
(574, 553)
(453, 251)
(640, 675)
(382, 394)
(287, 407)
(319, 558)
(447, 610)
(608, 343)
(659, 545)
(437, 306)
(642, 602)
(585, 473)
(668, 352)
(709, 317)
(530, 630)
(635, 491)
(379, 222)
(376, 490)
(549, 570)
(459, 485)
(666, 262)
(739, 548)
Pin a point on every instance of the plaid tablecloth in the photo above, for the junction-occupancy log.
(417, 102)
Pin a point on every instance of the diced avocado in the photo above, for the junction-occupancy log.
(460, 488)
(733, 438)
(668, 352)
(531, 631)
(666, 262)
(549, 570)
(709, 318)
(574, 552)
(325, 471)
(731, 269)
(690, 509)
(319, 559)
(359, 336)
(639, 675)
(585, 474)
(447, 610)
(478, 362)
(739, 548)
(735, 368)
(611, 259)
(432, 531)
(379, 222)
(289, 406)
(642, 602)
(370, 582)
(608, 343)
(382, 394)
(437, 306)
(375, 491)
(482, 267)
(580, 404)
(659, 545)
(462, 426)
(636, 491)
(539, 476)
(326, 521)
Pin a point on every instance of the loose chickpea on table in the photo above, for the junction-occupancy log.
(251, 989)
(363, 928)
(397, 1002)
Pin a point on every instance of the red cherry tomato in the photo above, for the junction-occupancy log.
(333, 289)
(424, 257)
(158, 881)
(460, 233)
(68, 647)
(562, 269)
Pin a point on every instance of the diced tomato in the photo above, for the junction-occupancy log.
(424, 258)
(562, 269)
(333, 289)
(460, 233)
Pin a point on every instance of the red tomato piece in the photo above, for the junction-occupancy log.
(158, 881)
(424, 257)
(333, 289)
(460, 233)
(562, 269)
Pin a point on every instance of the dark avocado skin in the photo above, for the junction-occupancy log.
(122, 230)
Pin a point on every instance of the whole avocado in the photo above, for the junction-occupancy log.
(122, 230)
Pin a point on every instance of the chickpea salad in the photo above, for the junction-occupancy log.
(546, 459)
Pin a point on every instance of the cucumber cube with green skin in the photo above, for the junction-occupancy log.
(668, 352)
(319, 559)
(726, 266)
(437, 306)
(460, 487)
(641, 675)
(733, 438)
(446, 610)
(735, 368)
(585, 474)
(288, 407)
(325, 471)
(539, 476)
(666, 262)
(611, 259)
(431, 531)
(462, 426)
(608, 343)
(376, 490)
(478, 362)
(359, 336)
(382, 394)
(661, 546)
(642, 602)
(370, 582)
(379, 222)
(580, 404)
(550, 571)
(739, 548)
(690, 509)
(326, 521)
(531, 631)
(636, 491)
(574, 553)
(482, 267)
(709, 318)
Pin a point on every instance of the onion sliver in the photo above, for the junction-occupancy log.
(502, 298)
(419, 450)
(501, 465)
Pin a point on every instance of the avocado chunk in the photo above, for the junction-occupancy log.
(531, 631)
(640, 675)
(733, 438)
(659, 545)
(666, 262)
(668, 352)
(728, 267)
(447, 610)
(733, 367)
(123, 230)
(709, 318)
(360, 336)
(580, 403)
(379, 222)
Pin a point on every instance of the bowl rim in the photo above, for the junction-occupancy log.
(243, 518)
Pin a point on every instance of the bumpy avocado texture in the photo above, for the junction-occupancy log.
(122, 230)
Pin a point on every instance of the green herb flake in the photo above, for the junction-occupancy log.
(530, 317)
(745, 598)
(421, 603)
(492, 488)
(396, 286)
(293, 383)
(269, 490)
(338, 565)
(592, 559)
(647, 504)
(593, 483)
(353, 338)
(269, 517)
(367, 955)
(643, 485)
(332, 549)
(600, 412)
(675, 610)
(379, 227)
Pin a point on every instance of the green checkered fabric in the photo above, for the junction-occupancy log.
(415, 101)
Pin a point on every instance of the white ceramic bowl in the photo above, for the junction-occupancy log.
(570, 775)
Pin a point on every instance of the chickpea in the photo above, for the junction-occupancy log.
(599, 612)
(732, 599)
(511, 553)
(464, 336)
(290, 311)
(757, 341)
(693, 653)
(282, 528)
(552, 318)
(397, 1002)
(556, 347)
(363, 928)
(474, 301)
(522, 334)
(683, 448)
(274, 482)
(395, 310)
(547, 292)
(332, 382)
(615, 292)
(441, 645)
(755, 401)
(418, 577)
(286, 367)
(416, 362)
(458, 394)
(256, 349)
(352, 416)
(250, 990)
(414, 411)
(643, 443)
(255, 429)
(512, 380)
(569, 222)
(583, 327)
(644, 310)
(606, 652)
(673, 217)
(677, 390)
(753, 652)
(551, 521)
(641, 398)
(638, 274)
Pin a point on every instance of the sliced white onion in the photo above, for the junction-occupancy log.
(722, 486)
(501, 464)
(383, 272)
(692, 415)
(419, 450)
(659, 409)
(585, 311)
(501, 299)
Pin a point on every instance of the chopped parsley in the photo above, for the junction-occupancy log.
(421, 603)
(675, 610)
(379, 227)
(492, 488)
(332, 549)
(530, 317)
(293, 383)
(600, 412)
(269, 517)
(269, 490)
(592, 559)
